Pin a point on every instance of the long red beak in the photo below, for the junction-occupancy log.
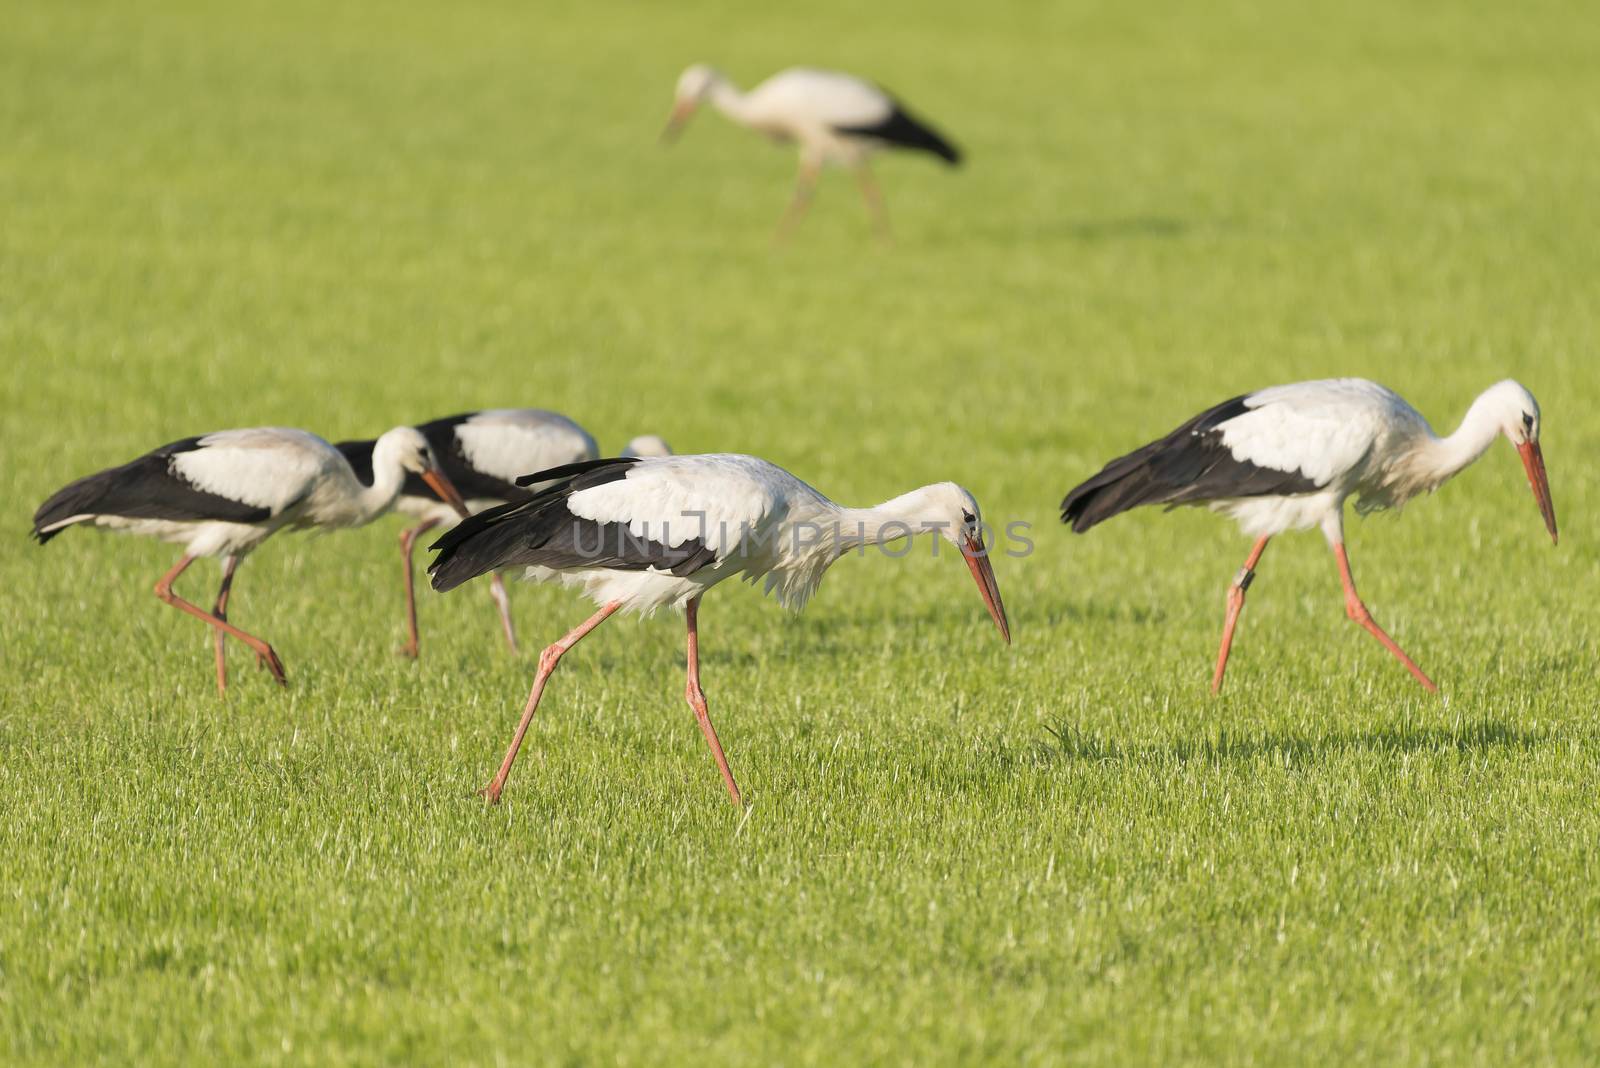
(680, 115)
(441, 485)
(983, 574)
(1533, 463)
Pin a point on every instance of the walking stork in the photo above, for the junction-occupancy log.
(482, 453)
(835, 118)
(225, 493)
(638, 534)
(1286, 458)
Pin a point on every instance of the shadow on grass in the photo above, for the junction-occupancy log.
(1095, 231)
(1072, 743)
(1150, 227)
(1132, 226)
(1100, 611)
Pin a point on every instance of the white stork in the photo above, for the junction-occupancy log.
(482, 454)
(225, 493)
(642, 533)
(835, 118)
(646, 445)
(1287, 457)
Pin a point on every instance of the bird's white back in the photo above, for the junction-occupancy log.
(508, 443)
(831, 98)
(267, 467)
(1326, 430)
(721, 499)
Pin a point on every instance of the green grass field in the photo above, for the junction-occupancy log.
(954, 852)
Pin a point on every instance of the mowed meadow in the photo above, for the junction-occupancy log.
(345, 217)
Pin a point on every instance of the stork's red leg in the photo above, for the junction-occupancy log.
(547, 664)
(875, 207)
(1241, 582)
(263, 650)
(697, 701)
(1358, 612)
(221, 612)
(805, 187)
(497, 590)
(408, 544)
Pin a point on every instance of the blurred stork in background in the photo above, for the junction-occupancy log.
(483, 453)
(1286, 458)
(643, 533)
(646, 445)
(225, 493)
(834, 118)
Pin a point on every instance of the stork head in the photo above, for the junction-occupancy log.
(1516, 415)
(952, 512)
(694, 85)
(647, 445)
(404, 448)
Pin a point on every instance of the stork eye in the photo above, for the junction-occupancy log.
(1527, 422)
(967, 517)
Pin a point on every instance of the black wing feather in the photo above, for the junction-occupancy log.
(358, 454)
(468, 480)
(1188, 466)
(904, 130)
(542, 530)
(556, 474)
(146, 488)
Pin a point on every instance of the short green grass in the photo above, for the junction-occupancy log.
(350, 216)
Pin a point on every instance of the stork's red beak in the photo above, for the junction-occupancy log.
(680, 115)
(1533, 463)
(983, 574)
(446, 490)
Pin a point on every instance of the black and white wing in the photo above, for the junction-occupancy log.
(508, 443)
(235, 476)
(1281, 441)
(674, 514)
(851, 106)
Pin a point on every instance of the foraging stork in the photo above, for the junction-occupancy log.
(1287, 457)
(225, 493)
(482, 454)
(647, 445)
(833, 117)
(642, 533)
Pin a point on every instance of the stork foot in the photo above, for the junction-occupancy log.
(268, 658)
